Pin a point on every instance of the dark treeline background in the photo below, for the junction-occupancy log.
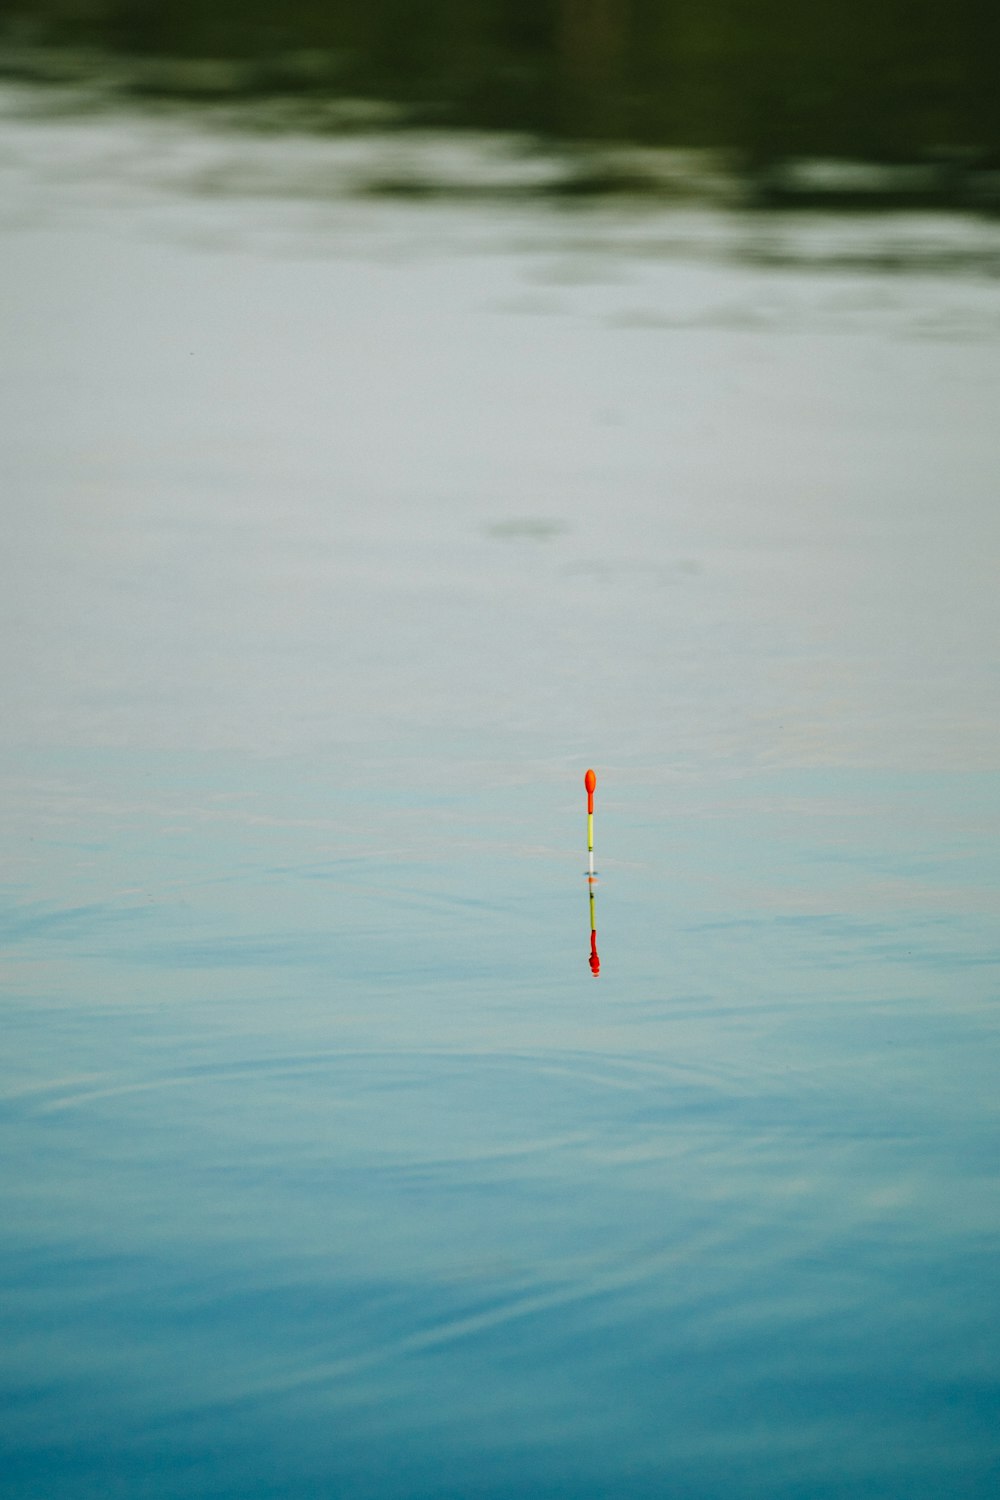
(890, 80)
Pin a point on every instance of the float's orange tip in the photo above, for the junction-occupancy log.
(590, 781)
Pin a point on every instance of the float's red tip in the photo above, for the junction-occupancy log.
(590, 782)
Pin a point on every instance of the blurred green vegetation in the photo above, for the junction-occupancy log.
(886, 80)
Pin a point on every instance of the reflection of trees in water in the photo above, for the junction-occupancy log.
(773, 76)
(590, 38)
(590, 41)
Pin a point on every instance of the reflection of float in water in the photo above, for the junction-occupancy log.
(595, 962)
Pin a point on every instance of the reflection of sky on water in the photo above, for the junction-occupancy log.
(786, 536)
(333, 557)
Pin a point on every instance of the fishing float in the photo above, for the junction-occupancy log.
(590, 782)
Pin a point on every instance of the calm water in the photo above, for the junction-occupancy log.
(340, 536)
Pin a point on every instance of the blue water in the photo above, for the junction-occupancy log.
(328, 1167)
(344, 1176)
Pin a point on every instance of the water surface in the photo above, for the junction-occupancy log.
(341, 535)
